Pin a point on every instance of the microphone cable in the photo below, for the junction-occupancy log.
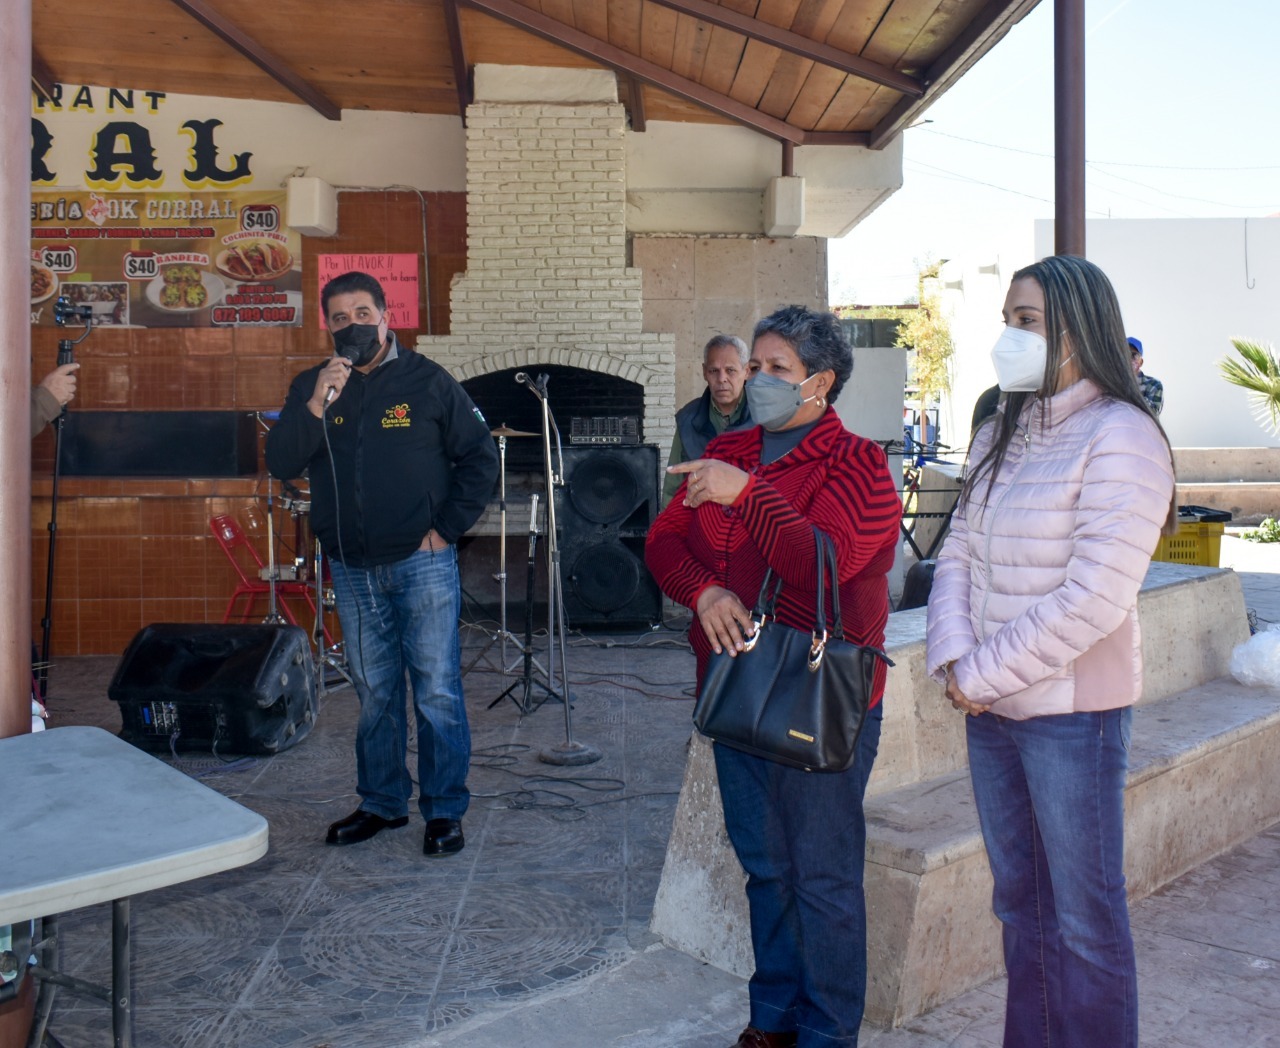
(342, 556)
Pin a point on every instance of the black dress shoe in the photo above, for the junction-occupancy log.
(444, 837)
(754, 1038)
(360, 825)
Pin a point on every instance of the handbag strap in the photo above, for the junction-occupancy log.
(820, 541)
(827, 564)
(771, 588)
(767, 599)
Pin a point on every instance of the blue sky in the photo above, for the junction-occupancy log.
(1183, 120)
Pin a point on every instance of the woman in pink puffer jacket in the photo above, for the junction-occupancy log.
(1033, 627)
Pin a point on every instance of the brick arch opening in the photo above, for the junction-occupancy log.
(587, 406)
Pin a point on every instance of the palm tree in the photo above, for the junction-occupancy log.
(1259, 373)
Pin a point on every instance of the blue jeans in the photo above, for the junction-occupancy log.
(1050, 794)
(801, 837)
(398, 617)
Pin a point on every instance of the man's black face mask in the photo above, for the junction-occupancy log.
(359, 343)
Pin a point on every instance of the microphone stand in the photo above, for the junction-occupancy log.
(526, 682)
(569, 752)
(273, 615)
(66, 355)
(504, 634)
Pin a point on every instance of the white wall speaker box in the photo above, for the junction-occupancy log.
(784, 206)
(311, 207)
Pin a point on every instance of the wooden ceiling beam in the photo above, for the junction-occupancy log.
(814, 50)
(260, 56)
(623, 61)
(42, 77)
(458, 55)
(836, 138)
(991, 24)
(635, 90)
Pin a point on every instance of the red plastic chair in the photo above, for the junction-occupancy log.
(251, 585)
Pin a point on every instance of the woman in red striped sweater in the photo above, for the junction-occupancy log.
(750, 504)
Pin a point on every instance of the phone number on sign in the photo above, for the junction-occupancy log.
(229, 315)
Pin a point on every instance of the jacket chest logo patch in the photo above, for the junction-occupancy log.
(396, 417)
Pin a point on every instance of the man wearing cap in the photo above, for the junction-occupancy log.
(1152, 388)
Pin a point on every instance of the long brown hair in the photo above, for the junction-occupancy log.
(1080, 308)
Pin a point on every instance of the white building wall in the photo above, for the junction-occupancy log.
(1186, 287)
(973, 286)
(1185, 292)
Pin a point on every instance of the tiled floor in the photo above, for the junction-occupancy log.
(375, 944)
(536, 934)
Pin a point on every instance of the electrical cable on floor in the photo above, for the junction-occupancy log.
(686, 689)
(533, 794)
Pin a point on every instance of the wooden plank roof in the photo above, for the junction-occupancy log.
(801, 71)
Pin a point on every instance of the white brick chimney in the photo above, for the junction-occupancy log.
(546, 278)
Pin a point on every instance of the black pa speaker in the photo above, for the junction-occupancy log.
(223, 688)
(603, 512)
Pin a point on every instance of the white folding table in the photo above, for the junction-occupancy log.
(86, 818)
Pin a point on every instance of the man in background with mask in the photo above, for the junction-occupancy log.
(401, 464)
(721, 407)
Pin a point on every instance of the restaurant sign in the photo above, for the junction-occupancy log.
(184, 259)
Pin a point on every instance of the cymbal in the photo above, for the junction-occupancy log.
(506, 431)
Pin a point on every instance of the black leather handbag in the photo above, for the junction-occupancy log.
(792, 696)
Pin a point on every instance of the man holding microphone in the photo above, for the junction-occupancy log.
(401, 464)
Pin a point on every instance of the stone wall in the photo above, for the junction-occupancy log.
(699, 286)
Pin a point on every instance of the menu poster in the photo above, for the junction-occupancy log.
(398, 275)
(166, 259)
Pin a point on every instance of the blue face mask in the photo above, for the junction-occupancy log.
(773, 402)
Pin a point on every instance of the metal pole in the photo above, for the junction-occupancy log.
(1068, 112)
(66, 355)
(553, 551)
(502, 549)
(15, 393)
(121, 994)
(570, 752)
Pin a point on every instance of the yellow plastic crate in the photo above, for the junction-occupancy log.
(1195, 543)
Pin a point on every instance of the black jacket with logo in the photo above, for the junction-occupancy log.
(410, 450)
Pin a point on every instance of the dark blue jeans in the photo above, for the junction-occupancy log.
(1050, 793)
(801, 837)
(398, 617)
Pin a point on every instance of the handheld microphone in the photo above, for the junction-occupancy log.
(332, 391)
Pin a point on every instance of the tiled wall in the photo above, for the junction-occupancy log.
(135, 551)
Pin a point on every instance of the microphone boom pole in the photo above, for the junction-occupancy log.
(570, 751)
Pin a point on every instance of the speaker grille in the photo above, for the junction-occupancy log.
(603, 513)
(604, 488)
(605, 577)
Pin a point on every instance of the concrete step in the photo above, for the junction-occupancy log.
(1195, 789)
(1248, 502)
(1191, 618)
(1198, 785)
(1243, 481)
(1224, 465)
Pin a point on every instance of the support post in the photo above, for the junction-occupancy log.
(1068, 113)
(15, 391)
